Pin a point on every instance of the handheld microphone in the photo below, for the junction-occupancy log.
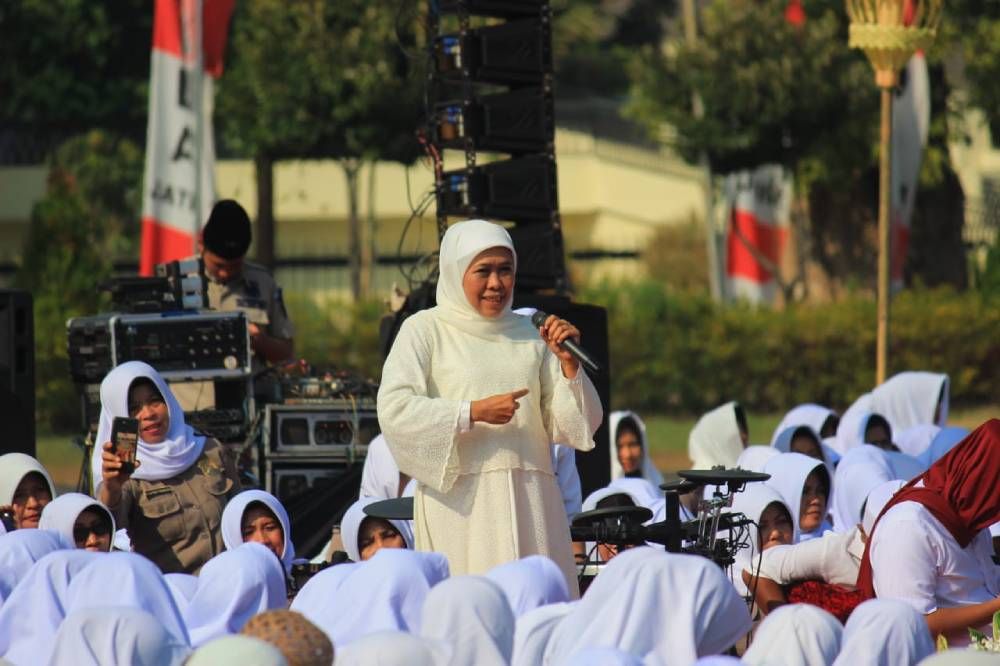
(568, 344)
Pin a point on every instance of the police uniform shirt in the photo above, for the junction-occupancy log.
(257, 294)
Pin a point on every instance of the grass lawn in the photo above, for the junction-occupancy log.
(668, 437)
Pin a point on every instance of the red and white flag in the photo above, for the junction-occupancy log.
(759, 203)
(911, 117)
(189, 38)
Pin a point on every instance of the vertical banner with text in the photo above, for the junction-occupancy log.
(189, 38)
(759, 203)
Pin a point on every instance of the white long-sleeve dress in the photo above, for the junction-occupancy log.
(485, 495)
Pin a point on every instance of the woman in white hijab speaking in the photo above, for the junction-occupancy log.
(472, 396)
(171, 502)
(116, 636)
(795, 635)
(25, 489)
(470, 613)
(671, 607)
(82, 520)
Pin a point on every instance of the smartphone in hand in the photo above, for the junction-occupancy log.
(124, 440)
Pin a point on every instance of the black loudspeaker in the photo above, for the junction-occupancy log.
(592, 320)
(17, 372)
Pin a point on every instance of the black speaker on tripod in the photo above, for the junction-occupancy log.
(17, 371)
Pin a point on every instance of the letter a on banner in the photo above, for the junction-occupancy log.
(189, 38)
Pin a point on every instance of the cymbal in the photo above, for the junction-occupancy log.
(718, 477)
(398, 508)
(632, 514)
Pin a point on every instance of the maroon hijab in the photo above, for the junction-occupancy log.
(962, 490)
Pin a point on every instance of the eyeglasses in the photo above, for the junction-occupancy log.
(81, 532)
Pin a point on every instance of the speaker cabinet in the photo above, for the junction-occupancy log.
(17, 371)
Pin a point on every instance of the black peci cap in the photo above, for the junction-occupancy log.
(227, 232)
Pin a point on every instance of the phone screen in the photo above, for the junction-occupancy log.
(125, 439)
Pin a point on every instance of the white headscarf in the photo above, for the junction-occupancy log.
(116, 636)
(533, 631)
(942, 443)
(715, 439)
(862, 469)
(380, 474)
(604, 656)
(788, 476)
(752, 501)
(32, 613)
(177, 452)
(13, 468)
(394, 648)
(234, 586)
(847, 431)
(350, 527)
(320, 596)
(783, 443)
(461, 244)
(232, 522)
(130, 580)
(649, 471)
(808, 414)
(19, 551)
(755, 457)
(238, 650)
(60, 514)
(530, 582)
(911, 398)
(472, 614)
(916, 439)
(885, 632)
(391, 586)
(963, 657)
(876, 501)
(795, 635)
(690, 602)
(182, 588)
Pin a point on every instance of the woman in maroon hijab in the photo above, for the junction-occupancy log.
(930, 545)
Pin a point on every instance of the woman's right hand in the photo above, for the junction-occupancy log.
(113, 472)
(497, 409)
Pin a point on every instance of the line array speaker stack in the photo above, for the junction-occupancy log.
(17, 371)
(490, 90)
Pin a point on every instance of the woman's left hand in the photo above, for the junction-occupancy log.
(554, 331)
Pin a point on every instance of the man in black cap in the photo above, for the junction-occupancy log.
(237, 284)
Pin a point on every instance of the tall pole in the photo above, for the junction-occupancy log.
(884, 237)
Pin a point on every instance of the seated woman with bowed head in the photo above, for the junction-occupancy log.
(364, 535)
(82, 520)
(172, 503)
(258, 516)
(25, 489)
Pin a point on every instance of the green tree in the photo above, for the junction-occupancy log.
(320, 79)
(87, 216)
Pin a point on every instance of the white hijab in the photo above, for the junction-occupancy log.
(649, 471)
(182, 588)
(795, 635)
(234, 586)
(755, 457)
(19, 551)
(916, 439)
(391, 586)
(60, 514)
(876, 501)
(32, 613)
(783, 443)
(911, 398)
(533, 630)
(715, 439)
(471, 613)
(788, 476)
(807, 414)
(942, 443)
(380, 474)
(604, 656)
(885, 632)
(688, 599)
(530, 582)
(320, 596)
(461, 244)
(232, 522)
(116, 636)
(847, 431)
(13, 468)
(177, 452)
(394, 648)
(751, 502)
(237, 650)
(350, 527)
(963, 657)
(862, 469)
(129, 580)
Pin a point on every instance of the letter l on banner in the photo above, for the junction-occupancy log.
(189, 38)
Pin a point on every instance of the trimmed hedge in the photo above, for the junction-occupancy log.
(681, 353)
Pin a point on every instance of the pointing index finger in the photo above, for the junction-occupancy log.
(518, 394)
